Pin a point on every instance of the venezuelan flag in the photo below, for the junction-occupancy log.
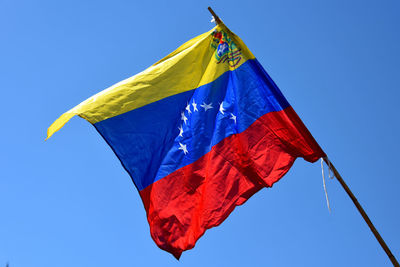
(199, 132)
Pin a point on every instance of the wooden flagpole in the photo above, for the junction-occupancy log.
(216, 18)
(346, 188)
(362, 212)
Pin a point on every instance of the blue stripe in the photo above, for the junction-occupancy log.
(147, 140)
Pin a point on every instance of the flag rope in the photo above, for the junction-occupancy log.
(323, 182)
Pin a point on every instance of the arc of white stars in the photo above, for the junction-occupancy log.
(233, 117)
(180, 131)
(206, 106)
(221, 108)
(194, 106)
(188, 109)
(183, 117)
(183, 148)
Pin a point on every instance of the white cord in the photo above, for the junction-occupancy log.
(323, 182)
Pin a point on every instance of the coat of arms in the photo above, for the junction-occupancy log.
(226, 49)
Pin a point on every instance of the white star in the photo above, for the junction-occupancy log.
(183, 117)
(233, 117)
(180, 131)
(183, 148)
(221, 108)
(206, 107)
(188, 108)
(194, 106)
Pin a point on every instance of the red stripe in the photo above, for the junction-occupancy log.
(181, 206)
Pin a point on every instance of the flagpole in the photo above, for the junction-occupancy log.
(362, 212)
(216, 18)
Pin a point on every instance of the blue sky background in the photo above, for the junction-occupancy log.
(69, 202)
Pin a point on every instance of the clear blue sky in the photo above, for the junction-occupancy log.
(69, 202)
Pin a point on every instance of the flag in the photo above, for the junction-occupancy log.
(199, 132)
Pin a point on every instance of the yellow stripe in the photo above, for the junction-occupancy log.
(192, 65)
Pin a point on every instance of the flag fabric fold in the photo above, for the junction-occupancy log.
(199, 132)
